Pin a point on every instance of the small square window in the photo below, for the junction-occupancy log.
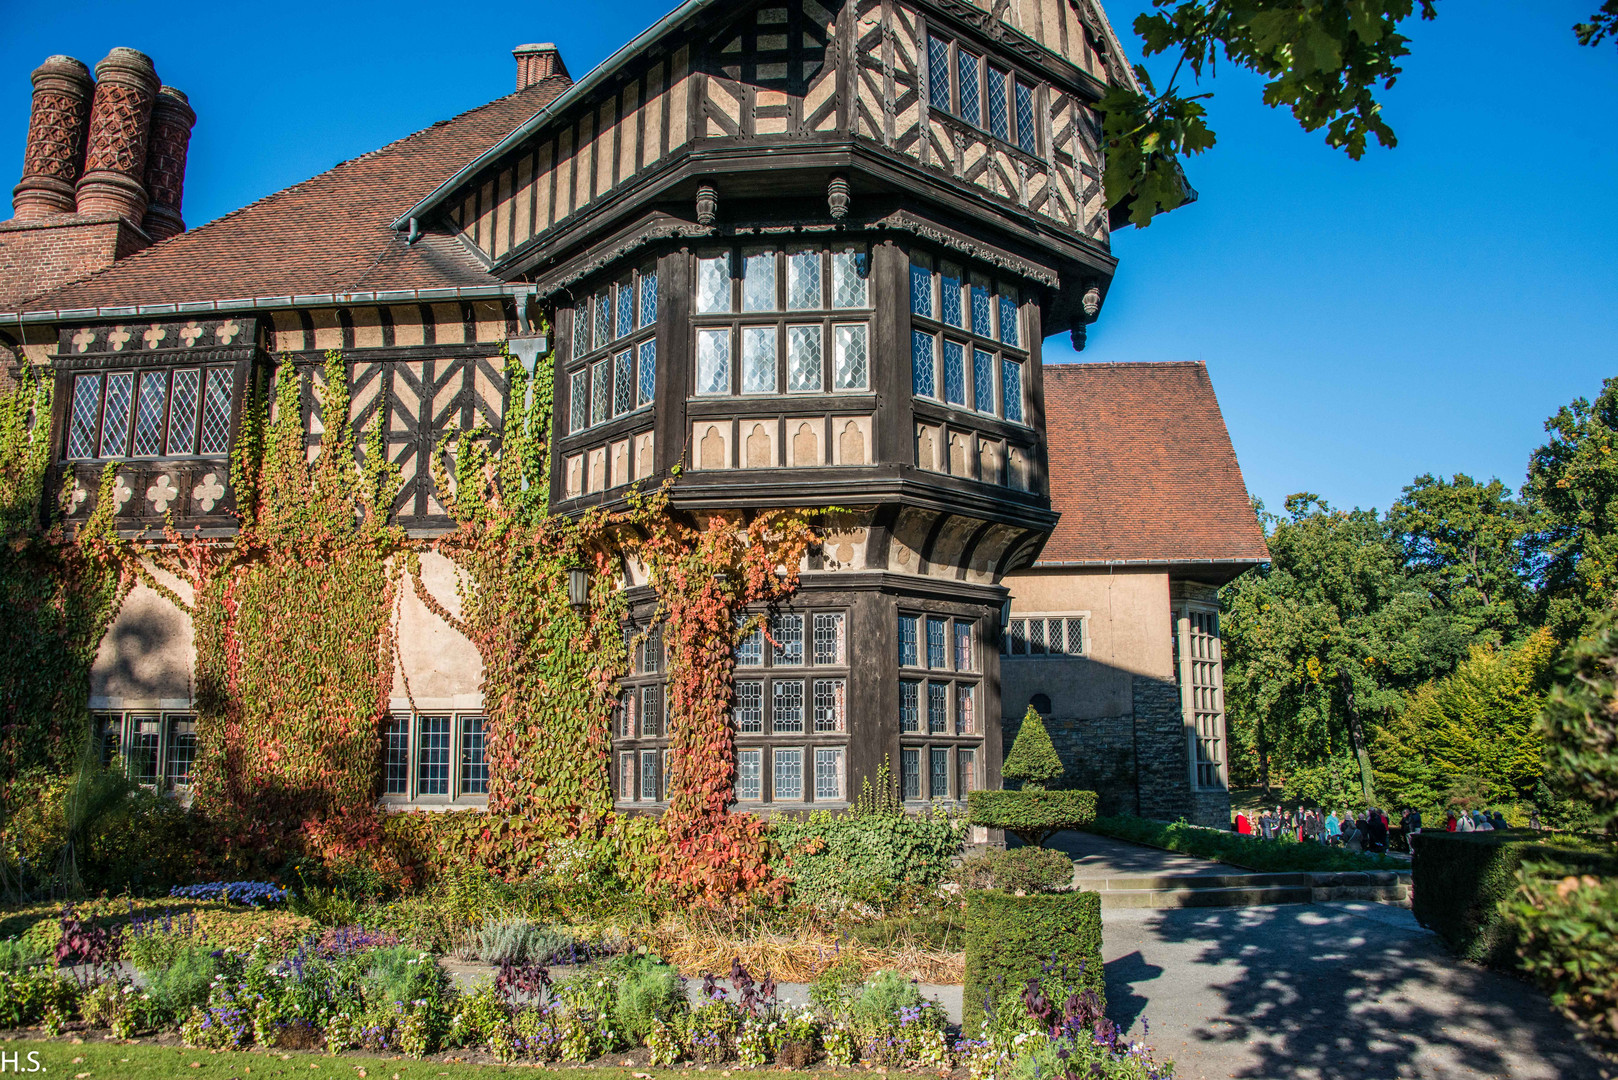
(789, 776)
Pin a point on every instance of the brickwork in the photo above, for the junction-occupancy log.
(36, 257)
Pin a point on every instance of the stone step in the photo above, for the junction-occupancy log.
(1243, 890)
(1130, 882)
(1218, 897)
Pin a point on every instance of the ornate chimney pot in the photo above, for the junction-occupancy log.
(536, 63)
(54, 157)
(707, 204)
(120, 121)
(172, 119)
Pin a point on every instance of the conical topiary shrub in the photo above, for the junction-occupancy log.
(1033, 760)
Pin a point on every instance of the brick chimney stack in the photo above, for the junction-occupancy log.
(120, 125)
(172, 119)
(537, 62)
(54, 157)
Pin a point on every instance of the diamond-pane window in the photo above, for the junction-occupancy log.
(954, 372)
(154, 392)
(967, 70)
(1008, 319)
(851, 356)
(623, 382)
(786, 715)
(938, 73)
(581, 329)
(829, 698)
(626, 308)
(909, 706)
(804, 360)
(788, 775)
(81, 434)
(216, 412)
(1027, 137)
(908, 656)
(600, 391)
(432, 756)
(713, 361)
(578, 400)
(949, 295)
(999, 119)
(183, 411)
(803, 281)
(922, 379)
(982, 308)
(647, 383)
(603, 317)
(1011, 390)
(787, 630)
(850, 279)
(115, 424)
(713, 285)
(831, 642)
(648, 298)
(758, 282)
(474, 764)
(921, 291)
(759, 345)
(748, 712)
(983, 381)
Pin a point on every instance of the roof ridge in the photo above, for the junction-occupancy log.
(134, 260)
(1079, 364)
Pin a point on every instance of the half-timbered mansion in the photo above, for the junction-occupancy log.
(801, 252)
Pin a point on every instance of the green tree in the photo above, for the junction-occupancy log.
(1580, 726)
(1603, 24)
(1573, 489)
(1469, 545)
(1033, 759)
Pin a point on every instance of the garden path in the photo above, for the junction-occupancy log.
(1101, 856)
(1335, 991)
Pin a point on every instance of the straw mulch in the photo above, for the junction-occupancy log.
(797, 957)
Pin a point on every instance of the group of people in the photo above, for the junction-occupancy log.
(1480, 821)
(1367, 831)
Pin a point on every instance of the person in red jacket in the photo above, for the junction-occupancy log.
(1243, 826)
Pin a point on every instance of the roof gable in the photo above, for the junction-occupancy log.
(1142, 468)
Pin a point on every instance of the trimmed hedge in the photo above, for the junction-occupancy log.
(1463, 880)
(1031, 816)
(1011, 939)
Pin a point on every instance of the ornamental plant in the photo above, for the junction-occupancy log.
(1033, 762)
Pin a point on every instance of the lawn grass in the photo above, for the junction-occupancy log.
(135, 1061)
(1253, 853)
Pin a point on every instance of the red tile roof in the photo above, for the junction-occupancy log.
(330, 234)
(1142, 468)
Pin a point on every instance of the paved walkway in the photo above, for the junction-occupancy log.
(1342, 991)
(1102, 856)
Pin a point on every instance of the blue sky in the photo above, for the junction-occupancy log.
(1424, 309)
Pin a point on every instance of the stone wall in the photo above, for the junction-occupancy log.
(1099, 756)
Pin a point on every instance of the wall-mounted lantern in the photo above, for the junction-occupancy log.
(578, 588)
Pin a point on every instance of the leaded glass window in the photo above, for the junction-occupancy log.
(936, 657)
(965, 710)
(831, 642)
(183, 410)
(748, 712)
(143, 746)
(603, 317)
(910, 773)
(949, 295)
(182, 751)
(999, 118)
(396, 768)
(626, 308)
(648, 297)
(758, 282)
(967, 69)
(850, 279)
(115, 420)
(581, 330)
(786, 706)
(907, 641)
(81, 432)
(963, 646)
(713, 361)
(804, 361)
(909, 706)
(923, 379)
(968, 770)
(578, 401)
(939, 783)
(1011, 390)
(1008, 317)
(938, 73)
(623, 383)
(154, 392)
(921, 290)
(954, 372)
(828, 774)
(651, 711)
(829, 697)
(750, 649)
(983, 381)
(851, 357)
(648, 373)
(750, 774)
(803, 281)
(1027, 136)
(787, 631)
(432, 756)
(713, 285)
(216, 413)
(474, 763)
(982, 308)
(788, 775)
(650, 786)
(600, 391)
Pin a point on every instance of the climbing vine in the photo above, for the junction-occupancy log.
(59, 592)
